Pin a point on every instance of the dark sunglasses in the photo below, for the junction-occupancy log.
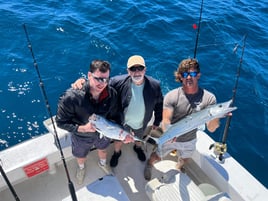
(192, 74)
(136, 68)
(101, 79)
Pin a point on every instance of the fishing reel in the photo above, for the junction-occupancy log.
(219, 150)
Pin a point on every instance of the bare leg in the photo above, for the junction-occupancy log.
(148, 167)
(80, 172)
(117, 146)
(102, 153)
(181, 163)
(81, 161)
(153, 158)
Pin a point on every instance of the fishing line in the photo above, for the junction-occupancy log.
(198, 33)
(198, 30)
(70, 184)
(218, 45)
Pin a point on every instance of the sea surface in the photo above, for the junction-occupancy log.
(66, 35)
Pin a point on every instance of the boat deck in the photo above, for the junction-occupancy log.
(27, 165)
(129, 173)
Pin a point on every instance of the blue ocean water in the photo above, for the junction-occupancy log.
(67, 35)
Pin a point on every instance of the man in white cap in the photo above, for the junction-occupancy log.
(139, 97)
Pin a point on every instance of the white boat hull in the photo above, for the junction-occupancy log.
(36, 172)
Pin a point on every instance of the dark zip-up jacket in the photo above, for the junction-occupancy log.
(152, 94)
(75, 107)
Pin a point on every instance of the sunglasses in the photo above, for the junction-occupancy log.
(101, 79)
(192, 74)
(136, 68)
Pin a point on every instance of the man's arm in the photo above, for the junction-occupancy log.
(166, 121)
(158, 109)
(78, 84)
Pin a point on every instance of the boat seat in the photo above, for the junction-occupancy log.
(175, 185)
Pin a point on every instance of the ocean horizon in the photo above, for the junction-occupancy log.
(67, 35)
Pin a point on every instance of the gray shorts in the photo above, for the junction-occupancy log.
(184, 149)
(82, 145)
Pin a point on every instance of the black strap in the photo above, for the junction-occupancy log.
(195, 99)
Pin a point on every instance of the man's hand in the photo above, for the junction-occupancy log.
(229, 114)
(156, 131)
(78, 84)
(89, 127)
(128, 139)
(215, 123)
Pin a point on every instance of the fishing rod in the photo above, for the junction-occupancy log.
(8, 183)
(198, 30)
(221, 148)
(70, 183)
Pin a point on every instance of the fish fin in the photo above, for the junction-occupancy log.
(92, 117)
(101, 133)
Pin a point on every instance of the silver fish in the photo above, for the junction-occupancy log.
(194, 120)
(110, 129)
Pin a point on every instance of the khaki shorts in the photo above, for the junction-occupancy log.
(184, 149)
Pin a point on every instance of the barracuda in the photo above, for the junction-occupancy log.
(110, 129)
(195, 120)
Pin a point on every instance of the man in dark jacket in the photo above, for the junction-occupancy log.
(76, 106)
(139, 98)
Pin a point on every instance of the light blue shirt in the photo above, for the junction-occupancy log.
(134, 113)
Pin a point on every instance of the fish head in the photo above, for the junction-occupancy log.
(95, 119)
(92, 117)
(221, 109)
